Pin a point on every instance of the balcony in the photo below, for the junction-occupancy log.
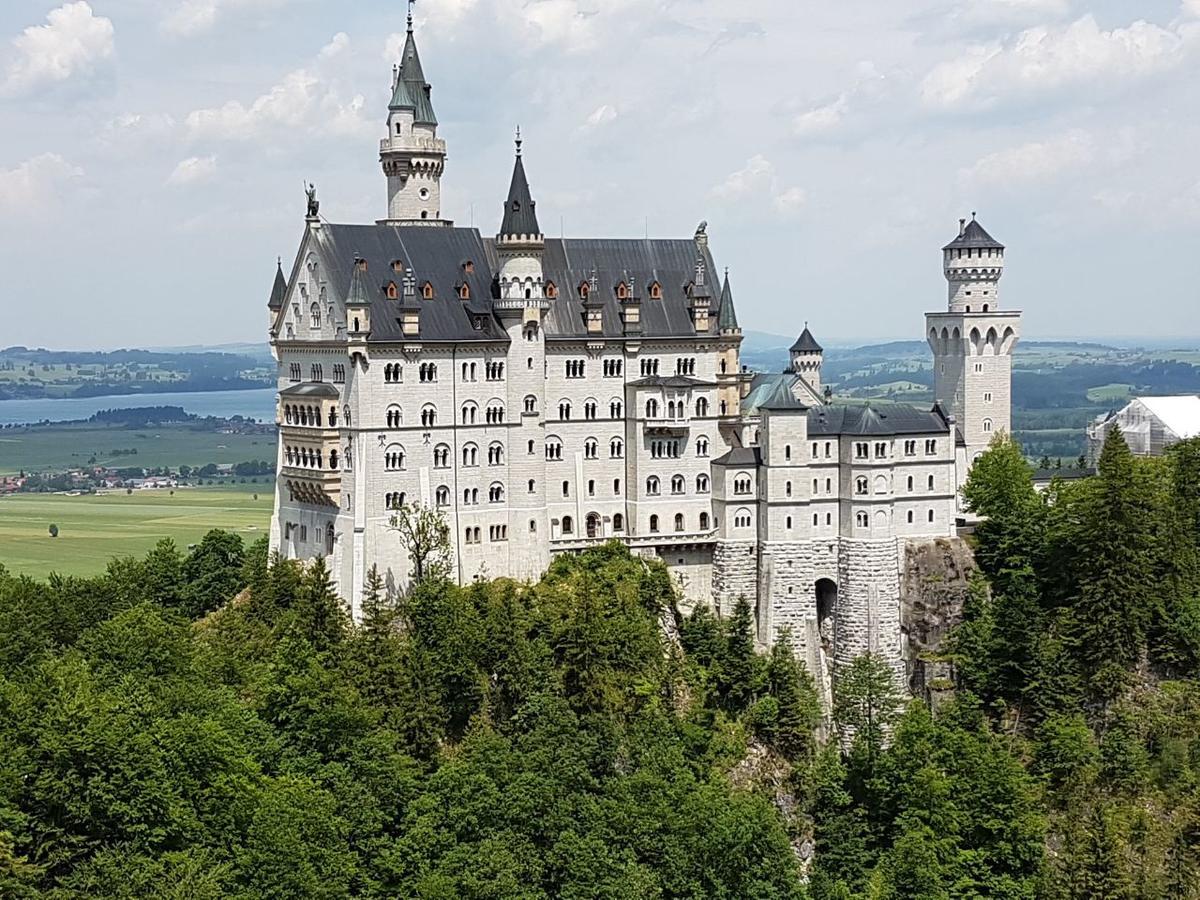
(317, 487)
(412, 145)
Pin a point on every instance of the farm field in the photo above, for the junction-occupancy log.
(59, 447)
(95, 528)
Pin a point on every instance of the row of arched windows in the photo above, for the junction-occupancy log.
(680, 523)
(308, 415)
(309, 458)
(678, 485)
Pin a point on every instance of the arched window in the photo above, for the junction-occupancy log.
(910, 517)
(651, 408)
(394, 501)
(531, 404)
(495, 413)
(741, 484)
(616, 448)
(654, 524)
(861, 520)
(616, 409)
(987, 426)
(441, 456)
(442, 496)
(742, 518)
(589, 409)
(564, 410)
(469, 411)
(314, 314)
(496, 454)
(618, 522)
(393, 458)
(470, 455)
(428, 415)
(395, 417)
(496, 493)
(679, 521)
(909, 483)
(881, 484)
(568, 525)
(592, 525)
(652, 486)
(701, 484)
(860, 485)
(704, 526)
(702, 447)
(701, 408)
(553, 449)
(677, 484)
(591, 448)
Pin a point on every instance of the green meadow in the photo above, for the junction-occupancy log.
(60, 447)
(95, 528)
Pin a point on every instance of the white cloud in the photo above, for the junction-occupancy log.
(305, 97)
(1191, 7)
(186, 18)
(73, 40)
(821, 119)
(1047, 58)
(757, 174)
(193, 170)
(601, 116)
(35, 184)
(1010, 12)
(756, 180)
(1034, 161)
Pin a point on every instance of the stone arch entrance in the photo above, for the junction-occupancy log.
(593, 525)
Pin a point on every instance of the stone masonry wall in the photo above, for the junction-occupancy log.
(734, 574)
(935, 585)
(868, 604)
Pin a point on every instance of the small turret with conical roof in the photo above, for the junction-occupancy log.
(807, 356)
(412, 155)
(520, 243)
(358, 302)
(727, 321)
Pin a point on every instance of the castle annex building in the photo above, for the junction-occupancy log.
(546, 395)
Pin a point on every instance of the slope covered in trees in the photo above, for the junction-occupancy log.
(212, 725)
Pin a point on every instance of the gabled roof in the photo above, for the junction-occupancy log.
(806, 343)
(279, 289)
(973, 236)
(358, 294)
(520, 213)
(727, 316)
(412, 91)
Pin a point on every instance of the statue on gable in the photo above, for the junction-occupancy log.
(314, 205)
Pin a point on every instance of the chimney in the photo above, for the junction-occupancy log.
(962, 227)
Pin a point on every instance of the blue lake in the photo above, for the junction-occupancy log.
(254, 404)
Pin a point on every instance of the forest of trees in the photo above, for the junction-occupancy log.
(212, 724)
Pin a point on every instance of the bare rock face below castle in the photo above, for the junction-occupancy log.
(933, 590)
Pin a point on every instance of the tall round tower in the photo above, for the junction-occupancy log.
(412, 155)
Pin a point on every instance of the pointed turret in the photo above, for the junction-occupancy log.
(520, 210)
(411, 90)
(358, 301)
(279, 289)
(727, 315)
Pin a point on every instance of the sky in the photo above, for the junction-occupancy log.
(154, 151)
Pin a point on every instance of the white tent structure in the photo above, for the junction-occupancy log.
(1149, 424)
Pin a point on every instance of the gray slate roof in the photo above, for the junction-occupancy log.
(671, 381)
(438, 255)
(412, 91)
(310, 389)
(875, 418)
(740, 456)
(974, 237)
(278, 290)
(806, 343)
(520, 212)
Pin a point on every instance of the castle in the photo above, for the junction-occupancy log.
(546, 395)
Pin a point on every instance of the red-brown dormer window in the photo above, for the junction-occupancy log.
(464, 291)
(655, 291)
(583, 290)
(427, 290)
(551, 290)
(469, 267)
(622, 291)
(398, 266)
(391, 290)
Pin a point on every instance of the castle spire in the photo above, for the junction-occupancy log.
(520, 210)
(726, 315)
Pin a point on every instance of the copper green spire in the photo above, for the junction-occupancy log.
(411, 90)
(727, 316)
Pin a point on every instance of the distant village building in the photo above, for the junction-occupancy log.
(1149, 424)
(546, 395)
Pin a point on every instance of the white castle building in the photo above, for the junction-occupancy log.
(547, 395)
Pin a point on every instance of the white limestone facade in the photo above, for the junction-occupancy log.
(547, 395)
